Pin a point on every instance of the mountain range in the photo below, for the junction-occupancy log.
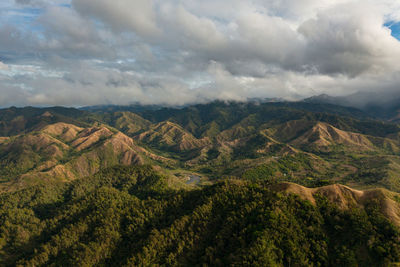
(376, 104)
(302, 142)
(59, 162)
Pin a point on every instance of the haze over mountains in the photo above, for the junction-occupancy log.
(379, 104)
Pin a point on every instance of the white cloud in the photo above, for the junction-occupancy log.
(122, 15)
(350, 39)
(3, 66)
(175, 52)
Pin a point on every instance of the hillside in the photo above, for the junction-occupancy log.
(254, 184)
(299, 142)
(128, 216)
(65, 152)
(21, 120)
(322, 136)
(170, 136)
(347, 198)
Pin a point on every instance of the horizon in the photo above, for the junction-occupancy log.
(347, 101)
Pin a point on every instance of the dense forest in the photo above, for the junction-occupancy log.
(128, 216)
(219, 184)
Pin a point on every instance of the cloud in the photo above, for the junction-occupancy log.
(349, 39)
(23, 2)
(86, 52)
(121, 15)
(39, 3)
(70, 35)
(3, 66)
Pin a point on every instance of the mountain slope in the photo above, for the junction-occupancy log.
(323, 135)
(169, 135)
(15, 121)
(300, 142)
(126, 216)
(346, 198)
(65, 151)
(125, 121)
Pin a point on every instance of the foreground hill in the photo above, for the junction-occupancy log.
(347, 198)
(127, 216)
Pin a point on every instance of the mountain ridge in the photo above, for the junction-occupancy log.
(216, 140)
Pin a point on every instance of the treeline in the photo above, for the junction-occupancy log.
(126, 216)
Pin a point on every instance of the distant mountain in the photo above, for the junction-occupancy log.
(18, 120)
(375, 104)
(327, 99)
(293, 141)
(116, 108)
(258, 183)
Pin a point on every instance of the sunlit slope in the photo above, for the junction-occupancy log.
(65, 151)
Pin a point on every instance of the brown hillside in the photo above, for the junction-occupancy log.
(291, 129)
(4, 139)
(131, 123)
(64, 152)
(323, 135)
(110, 149)
(346, 197)
(64, 131)
(90, 136)
(38, 142)
(171, 135)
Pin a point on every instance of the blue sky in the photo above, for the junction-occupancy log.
(85, 52)
(395, 27)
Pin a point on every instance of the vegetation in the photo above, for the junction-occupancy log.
(127, 216)
(322, 144)
(123, 214)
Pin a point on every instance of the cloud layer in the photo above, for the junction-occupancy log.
(85, 52)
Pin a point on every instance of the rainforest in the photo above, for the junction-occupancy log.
(224, 183)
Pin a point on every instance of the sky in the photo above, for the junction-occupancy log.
(176, 52)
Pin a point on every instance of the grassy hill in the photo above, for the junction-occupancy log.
(255, 184)
(299, 142)
(65, 152)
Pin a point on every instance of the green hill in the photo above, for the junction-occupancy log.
(299, 142)
(127, 216)
(65, 152)
(219, 184)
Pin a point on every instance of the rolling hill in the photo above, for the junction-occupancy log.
(127, 216)
(65, 152)
(270, 184)
(299, 142)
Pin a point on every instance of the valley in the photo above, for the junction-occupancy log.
(302, 143)
(110, 187)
